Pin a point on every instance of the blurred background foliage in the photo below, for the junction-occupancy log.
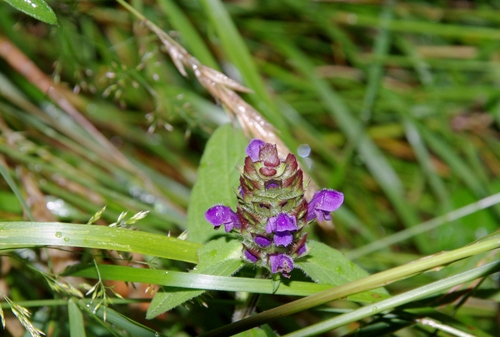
(394, 103)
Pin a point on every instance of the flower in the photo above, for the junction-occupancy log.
(283, 226)
(262, 241)
(219, 215)
(322, 203)
(250, 256)
(283, 239)
(302, 249)
(281, 263)
(281, 223)
(253, 149)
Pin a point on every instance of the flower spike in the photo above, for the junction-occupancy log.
(272, 210)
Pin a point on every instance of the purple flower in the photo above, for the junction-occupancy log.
(281, 223)
(219, 215)
(301, 250)
(253, 149)
(283, 239)
(250, 256)
(262, 241)
(281, 263)
(322, 203)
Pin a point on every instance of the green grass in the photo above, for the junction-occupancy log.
(398, 102)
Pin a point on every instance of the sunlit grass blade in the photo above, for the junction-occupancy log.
(182, 280)
(29, 234)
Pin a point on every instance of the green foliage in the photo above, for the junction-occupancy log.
(76, 323)
(323, 259)
(35, 8)
(26, 234)
(396, 101)
(219, 257)
(217, 179)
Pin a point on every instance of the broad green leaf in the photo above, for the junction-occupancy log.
(217, 180)
(221, 257)
(327, 265)
(35, 8)
(76, 324)
(28, 234)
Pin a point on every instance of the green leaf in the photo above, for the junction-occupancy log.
(217, 179)
(29, 234)
(329, 266)
(35, 8)
(221, 257)
(177, 279)
(76, 324)
(124, 323)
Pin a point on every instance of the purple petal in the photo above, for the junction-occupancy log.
(262, 241)
(281, 263)
(219, 215)
(250, 256)
(281, 223)
(323, 203)
(253, 149)
(283, 239)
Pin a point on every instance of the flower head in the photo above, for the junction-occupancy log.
(272, 210)
(219, 215)
(323, 203)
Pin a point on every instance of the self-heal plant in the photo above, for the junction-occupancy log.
(272, 211)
